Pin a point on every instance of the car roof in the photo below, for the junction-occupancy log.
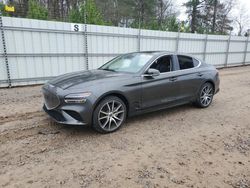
(156, 53)
(164, 52)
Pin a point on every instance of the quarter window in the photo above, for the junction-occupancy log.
(163, 64)
(196, 62)
(185, 62)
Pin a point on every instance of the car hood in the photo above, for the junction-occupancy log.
(77, 80)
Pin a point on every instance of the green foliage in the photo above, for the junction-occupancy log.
(168, 24)
(204, 16)
(75, 16)
(172, 24)
(37, 11)
(93, 16)
(2, 10)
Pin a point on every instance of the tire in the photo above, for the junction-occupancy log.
(109, 115)
(205, 96)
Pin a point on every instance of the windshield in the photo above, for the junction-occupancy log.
(131, 63)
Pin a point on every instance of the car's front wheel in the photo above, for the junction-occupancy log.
(205, 96)
(109, 115)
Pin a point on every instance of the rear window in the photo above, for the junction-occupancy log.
(185, 62)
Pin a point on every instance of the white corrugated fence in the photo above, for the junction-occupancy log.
(33, 51)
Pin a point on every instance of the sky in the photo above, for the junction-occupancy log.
(182, 16)
(235, 11)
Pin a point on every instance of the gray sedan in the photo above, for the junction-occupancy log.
(128, 85)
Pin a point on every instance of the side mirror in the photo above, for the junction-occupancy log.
(152, 73)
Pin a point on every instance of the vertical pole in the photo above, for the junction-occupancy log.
(245, 54)
(228, 47)
(205, 48)
(86, 37)
(139, 38)
(177, 39)
(5, 51)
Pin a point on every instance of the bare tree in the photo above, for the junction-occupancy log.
(242, 20)
(215, 4)
(164, 8)
(226, 8)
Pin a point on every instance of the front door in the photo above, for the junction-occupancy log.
(160, 90)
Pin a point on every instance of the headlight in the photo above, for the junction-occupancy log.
(77, 97)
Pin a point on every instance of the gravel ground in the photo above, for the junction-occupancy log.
(179, 147)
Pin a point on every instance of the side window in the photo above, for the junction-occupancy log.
(196, 62)
(163, 64)
(185, 62)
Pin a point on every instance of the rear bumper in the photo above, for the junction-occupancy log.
(68, 116)
(217, 90)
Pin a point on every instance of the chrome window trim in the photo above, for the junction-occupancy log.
(171, 65)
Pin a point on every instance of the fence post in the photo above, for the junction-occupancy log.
(139, 36)
(205, 48)
(245, 54)
(86, 37)
(177, 40)
(227, 53)
(139, 40)
(5, 51)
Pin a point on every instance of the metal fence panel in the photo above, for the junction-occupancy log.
(157, 40)
(39, 50)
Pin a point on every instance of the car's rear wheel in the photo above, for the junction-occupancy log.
(205, 96)
(109, 115)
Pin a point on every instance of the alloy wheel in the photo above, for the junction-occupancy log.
(111, 115)
(206, 95)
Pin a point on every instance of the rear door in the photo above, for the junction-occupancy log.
(189, 77)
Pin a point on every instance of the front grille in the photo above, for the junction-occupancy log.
(50, 99)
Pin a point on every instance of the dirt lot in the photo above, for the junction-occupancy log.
(180, 147)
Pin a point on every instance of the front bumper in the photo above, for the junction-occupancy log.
(72, 114)
(66, 113)
(68, 117)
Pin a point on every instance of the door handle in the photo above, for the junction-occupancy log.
(200, 74)
(173, 79)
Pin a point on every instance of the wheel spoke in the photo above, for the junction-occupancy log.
(106, 122)
(103, 112)
(209, 91)
(118, 112)
(205, 101)
(110, 123)
(202, 100)
(104, 117)
(113, 106)
(117, 108)
(115, 117)
(205, 89)
(114, 122)
(108, 107)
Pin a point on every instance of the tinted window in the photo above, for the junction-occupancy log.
(196, 62)
(163, 64)
(185, 62)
